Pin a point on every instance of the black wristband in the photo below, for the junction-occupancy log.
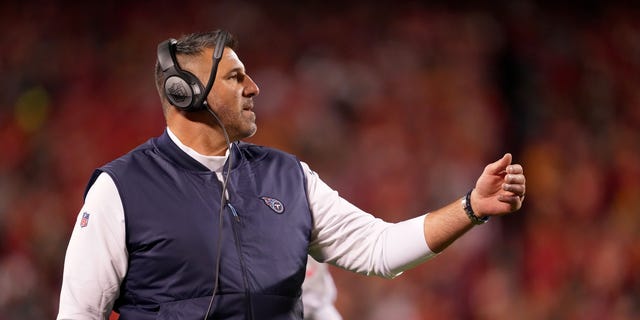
(466, 205)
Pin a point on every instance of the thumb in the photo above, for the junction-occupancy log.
(500, 165)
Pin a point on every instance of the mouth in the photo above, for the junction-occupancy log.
(247, 110)
(248, 106)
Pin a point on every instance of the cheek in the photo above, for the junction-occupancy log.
(229, 102)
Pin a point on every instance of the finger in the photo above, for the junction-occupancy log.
(515, 179)
(515, 169)
(498, 166)
(516, 189)
(514, 202)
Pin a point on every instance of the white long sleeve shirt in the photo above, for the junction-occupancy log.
(343, 235)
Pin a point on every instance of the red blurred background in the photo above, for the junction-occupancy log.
(396, 105)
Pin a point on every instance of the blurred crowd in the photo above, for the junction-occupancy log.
(397, 106)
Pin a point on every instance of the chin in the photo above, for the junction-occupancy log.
(252, 132)
(248, 133)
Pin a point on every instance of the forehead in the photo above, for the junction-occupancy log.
(230, 60)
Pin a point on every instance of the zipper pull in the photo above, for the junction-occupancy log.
(234, 212)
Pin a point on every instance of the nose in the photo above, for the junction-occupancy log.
(251, 89)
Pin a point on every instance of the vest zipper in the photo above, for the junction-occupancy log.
(247, 292)
(234, 213)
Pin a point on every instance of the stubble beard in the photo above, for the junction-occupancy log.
(243, 126)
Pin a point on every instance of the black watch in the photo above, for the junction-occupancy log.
(466, 204)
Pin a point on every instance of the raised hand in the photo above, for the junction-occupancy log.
(500, 189)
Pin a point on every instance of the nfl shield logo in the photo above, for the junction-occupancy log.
(85, 220)
(274, 204)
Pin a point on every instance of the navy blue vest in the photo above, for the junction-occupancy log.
(172, 205)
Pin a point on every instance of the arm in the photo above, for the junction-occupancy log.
(499, 190)
(96, 259)
(346, 236)
(352, 239)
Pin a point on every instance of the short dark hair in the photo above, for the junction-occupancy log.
(190, 45)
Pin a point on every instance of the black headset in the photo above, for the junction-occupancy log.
(182, 88)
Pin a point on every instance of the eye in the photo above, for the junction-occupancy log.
(239, 77)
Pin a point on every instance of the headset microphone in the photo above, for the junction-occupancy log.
(217, 56)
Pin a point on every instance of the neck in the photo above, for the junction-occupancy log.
(202, 136)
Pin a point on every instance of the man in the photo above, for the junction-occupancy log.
(195, 224)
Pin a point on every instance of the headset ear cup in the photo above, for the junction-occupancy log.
(184, 91)
(182, 88)
(178, 92)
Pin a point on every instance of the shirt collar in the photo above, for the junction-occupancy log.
(213, 163)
